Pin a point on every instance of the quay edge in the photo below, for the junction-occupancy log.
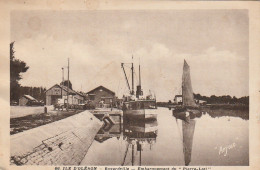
(64, 142)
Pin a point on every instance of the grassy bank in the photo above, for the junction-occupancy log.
(21, 124)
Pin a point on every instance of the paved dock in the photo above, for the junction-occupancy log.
(63, 142)
(21, 111)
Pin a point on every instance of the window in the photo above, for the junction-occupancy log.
(92, 97)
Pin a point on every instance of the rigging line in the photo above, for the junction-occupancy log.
(125, 89)
(125, 154)
(128, 79)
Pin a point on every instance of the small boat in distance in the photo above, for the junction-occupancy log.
(188, 109)
(134, 104)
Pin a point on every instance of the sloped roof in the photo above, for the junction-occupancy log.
(82, 93)
(29, 97)
(101, 87)
(65, 88)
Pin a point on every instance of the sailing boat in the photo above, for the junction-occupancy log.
(134, 104)
(189, 109)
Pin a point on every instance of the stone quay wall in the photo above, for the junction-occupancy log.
(64, 142)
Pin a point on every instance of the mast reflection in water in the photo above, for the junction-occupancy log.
(169, 140)
(137, 134)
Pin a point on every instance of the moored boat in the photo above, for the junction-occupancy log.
(134, 105)
(188, 109)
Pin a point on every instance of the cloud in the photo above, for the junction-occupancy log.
(98, 41)
(213, 71)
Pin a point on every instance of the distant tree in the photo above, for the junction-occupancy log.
(17, 67)
(197, 96)
(234, 100)
(225, 99)
(36, 92)
(64, 83)
(244, 100)
(213, 99)
(205, 98)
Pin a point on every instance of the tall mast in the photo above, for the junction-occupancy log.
(68, 84)
(62, 80)
(139, 73)
(62, 75)
(132, 76)
(182, 84)
(182, 93)
(139, 91)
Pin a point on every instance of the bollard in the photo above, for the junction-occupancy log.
(45, 109)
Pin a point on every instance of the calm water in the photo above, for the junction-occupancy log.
(170, 141)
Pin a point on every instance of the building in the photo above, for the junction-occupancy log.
(200, 102)
(60, 92)
(178, 99)
(101, 96)
(26, 100)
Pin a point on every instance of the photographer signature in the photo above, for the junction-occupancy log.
(224, 150)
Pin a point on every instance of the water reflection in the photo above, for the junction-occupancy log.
(187, 134)
(216, 113)
(104, 133)
(138, 134)
(170, 140)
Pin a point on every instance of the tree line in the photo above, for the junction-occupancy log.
(17, 67)
(213, 99)
(36, 92)
(224, 99)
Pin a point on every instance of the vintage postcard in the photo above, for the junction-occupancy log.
(134, 85)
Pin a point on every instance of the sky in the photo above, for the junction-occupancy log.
(213, 42)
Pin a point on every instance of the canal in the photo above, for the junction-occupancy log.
(209, 140)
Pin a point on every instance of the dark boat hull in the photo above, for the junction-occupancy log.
(138, 115)
(184, 113)
(139, 104)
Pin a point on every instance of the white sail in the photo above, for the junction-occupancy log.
(187, 92)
